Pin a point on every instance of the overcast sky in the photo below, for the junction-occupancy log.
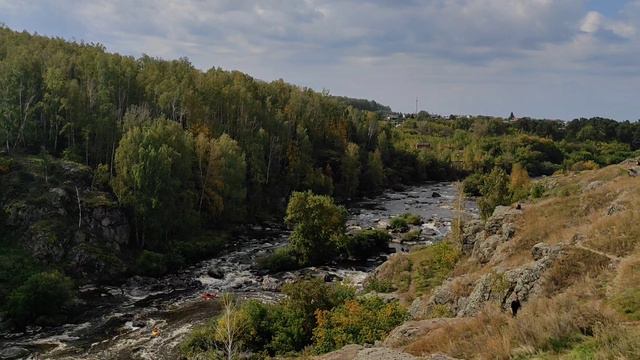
(541, 58)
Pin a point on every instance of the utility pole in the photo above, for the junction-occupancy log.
(416, 106)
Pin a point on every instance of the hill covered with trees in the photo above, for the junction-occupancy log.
(172, 155)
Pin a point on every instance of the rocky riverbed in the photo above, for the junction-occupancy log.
(146, 317)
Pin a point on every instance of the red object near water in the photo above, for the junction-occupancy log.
(209, 296)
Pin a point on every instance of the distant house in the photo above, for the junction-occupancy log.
(394, 116)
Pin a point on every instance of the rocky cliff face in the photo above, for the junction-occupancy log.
(62, 220)
(569, 259)
(484, 243)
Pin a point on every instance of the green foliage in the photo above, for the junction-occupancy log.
(495, 192)
(365, 243)
(412, 219)
(472, 184)
(101, 177)
(520, 184)
(360, 321)
(287, 327)
(398, 223)
(224, 183)
(150, 263)
(628, 303)
(41, 297)
(16, 266)
(401, 223)
(350, 168)
(282, 259)
(200, 342)
(379, 285)
(433, 264)
(153, 166)
(537, 190)
(373, 177)
(413, 235)
(318, 226)
(418, 271)
(202, 246)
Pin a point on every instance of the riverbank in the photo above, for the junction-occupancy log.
(552, 278)
(124, 316)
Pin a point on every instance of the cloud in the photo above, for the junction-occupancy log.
(458, 55)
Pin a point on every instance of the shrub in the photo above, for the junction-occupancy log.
(151, 263)
(287, 327)
(412, 219)
(472, 184)
(282, 259)
(318, 225)
(41, 297)
(101, 177)
(584, 165)
(200, 342)
(537, 190)
(379, 285)
(411, 236)
(418, 271)
(495, 191)
(201, 247)
(519, 183)
(365, 243)
(399, 223)
(359, 321)
(433, 264)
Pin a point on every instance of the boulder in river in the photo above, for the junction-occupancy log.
(13, 352)
(215, 273)
(269, 283)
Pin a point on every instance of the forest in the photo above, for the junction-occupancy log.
(188, 152)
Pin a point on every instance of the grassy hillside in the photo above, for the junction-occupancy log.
(572, 259)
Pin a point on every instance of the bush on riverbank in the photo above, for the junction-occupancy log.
(419, 270)
(282, 259)
(274, 329)
(365, 243)
(318, 226)
(359, 321)
(40, 299)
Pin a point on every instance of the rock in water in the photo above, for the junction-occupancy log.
(13, 352)
(215, 273)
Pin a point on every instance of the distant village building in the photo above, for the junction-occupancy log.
(395, 117)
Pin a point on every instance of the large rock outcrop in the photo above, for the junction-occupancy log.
(61, 219)
(499, 285)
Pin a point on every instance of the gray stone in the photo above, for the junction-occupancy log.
(13, 352)
(484, 249)
(594, 185)
(381, 353)
(270, 283)
(412, 330)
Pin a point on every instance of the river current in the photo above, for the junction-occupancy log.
(146, 318)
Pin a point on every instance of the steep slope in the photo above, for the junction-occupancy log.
(571, 259)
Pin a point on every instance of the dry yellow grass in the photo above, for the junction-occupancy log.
(587, 294)
(573, 265)
(544, 325)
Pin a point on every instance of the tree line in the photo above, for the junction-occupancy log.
(181, 146)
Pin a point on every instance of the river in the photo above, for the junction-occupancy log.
(118, 320)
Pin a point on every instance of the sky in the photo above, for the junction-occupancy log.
(557, 59)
